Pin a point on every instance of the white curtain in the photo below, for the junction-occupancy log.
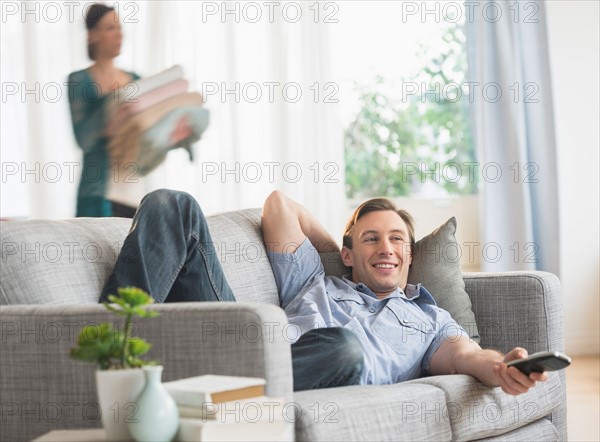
(515, 136)
(281, 140)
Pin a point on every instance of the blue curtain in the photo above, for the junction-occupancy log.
(513, 121)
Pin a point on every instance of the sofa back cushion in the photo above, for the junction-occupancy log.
(68, 261)
(238, 241)
(58, 262)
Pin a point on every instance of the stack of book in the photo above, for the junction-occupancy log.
(227, 408)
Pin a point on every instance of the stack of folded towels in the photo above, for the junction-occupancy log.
(152, 117)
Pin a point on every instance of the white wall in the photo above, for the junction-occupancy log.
(574, 53)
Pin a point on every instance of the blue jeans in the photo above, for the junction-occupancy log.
(169, 253)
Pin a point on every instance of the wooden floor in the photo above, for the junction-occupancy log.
(583, 399)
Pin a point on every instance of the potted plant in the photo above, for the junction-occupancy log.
(117, 354)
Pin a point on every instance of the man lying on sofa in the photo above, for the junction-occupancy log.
(349, 337)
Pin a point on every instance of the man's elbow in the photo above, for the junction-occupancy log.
(274, 204)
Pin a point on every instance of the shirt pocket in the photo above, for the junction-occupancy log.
(349, 305)
(406, 332)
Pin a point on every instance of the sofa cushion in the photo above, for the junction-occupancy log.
(58, 262)
(539, 430)
(476, 411)
(371, 412)
(68, 261)
(238, 241)
(437, 267)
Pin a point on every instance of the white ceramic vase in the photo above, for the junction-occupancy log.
(157, 417)
(117, 392)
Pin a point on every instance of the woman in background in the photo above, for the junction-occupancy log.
(89, 90)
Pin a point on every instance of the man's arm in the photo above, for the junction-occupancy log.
(286, 224)
(464, 356)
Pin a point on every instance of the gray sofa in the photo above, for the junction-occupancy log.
(53, 271)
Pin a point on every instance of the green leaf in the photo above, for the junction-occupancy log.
(111, 348)
(138, 347)
(134, 296)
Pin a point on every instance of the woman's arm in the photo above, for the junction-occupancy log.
(86, 111)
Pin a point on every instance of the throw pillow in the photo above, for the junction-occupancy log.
(436, 265)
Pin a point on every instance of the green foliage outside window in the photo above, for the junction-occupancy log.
(395, 145)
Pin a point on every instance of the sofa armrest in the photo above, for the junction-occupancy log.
(517, 309)
(43, 389)
(522, 309)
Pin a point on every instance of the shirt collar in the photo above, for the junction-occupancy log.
(412, 292)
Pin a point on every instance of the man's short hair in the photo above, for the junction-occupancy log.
(378, 205)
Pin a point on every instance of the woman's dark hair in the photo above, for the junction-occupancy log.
(94, 14)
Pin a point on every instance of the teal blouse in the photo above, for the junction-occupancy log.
(89, 121)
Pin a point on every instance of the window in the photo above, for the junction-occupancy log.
(405, 114)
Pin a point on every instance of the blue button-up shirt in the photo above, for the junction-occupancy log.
(399, 334)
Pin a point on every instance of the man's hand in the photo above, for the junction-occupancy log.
(511, 379)
(463, 356)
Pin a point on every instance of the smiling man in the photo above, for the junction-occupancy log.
(401, 332)
(369, 327)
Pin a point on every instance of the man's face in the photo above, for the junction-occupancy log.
(380, 256)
